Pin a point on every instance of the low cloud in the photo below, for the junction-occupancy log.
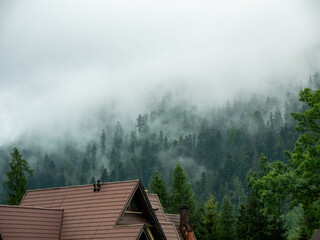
(61, 62)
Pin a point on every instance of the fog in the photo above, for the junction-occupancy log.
(63, 62)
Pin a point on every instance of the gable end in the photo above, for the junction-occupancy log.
(143, 206)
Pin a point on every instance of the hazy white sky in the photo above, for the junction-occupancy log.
(61, 59)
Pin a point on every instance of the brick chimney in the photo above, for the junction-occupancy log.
(185, 226)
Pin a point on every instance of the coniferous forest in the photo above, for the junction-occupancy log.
(216, 161)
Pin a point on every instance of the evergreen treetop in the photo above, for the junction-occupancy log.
(17, 180)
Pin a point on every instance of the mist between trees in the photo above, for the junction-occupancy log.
(216, 149)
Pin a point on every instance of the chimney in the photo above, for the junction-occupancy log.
(185, 226)
(97, 187)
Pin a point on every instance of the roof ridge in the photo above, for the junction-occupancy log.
(172, 214)
(153, 194)
(158, 199)
(30, 207)
(83, 185)
(174, 227)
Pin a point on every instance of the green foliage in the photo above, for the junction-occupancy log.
(271, 184)
(158, 186)
(217, 148)
(205, 218)
(293, 218)
(210, 219)
(103, 142)
(226, 221)
(299, 180)
(104, 175)
(197, 221)
(305, 158)
(118, 136)
(252, 224)
(17, 180)
(182, 191)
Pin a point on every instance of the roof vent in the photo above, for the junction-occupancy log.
(97, 187)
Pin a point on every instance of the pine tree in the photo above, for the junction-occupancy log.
(210, 219)
(103, 142)
(94, 155)
(104, 175)
(159, 187)
(226, 220)
(133, 141)
(161, 139)
(84, 171)
(17, 180)
(142, 124)
(182, 191)
(115, 163)
(118, 135)
(252, 224)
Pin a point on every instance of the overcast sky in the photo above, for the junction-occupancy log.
(61, 59)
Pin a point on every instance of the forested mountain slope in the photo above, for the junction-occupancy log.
(215, 146)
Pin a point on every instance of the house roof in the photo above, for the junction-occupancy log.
(29, 222)
(169, 222)
(88, 214)
(94, 215)
(120, 210)
(175, 219)
(316, 235)
(157, 207)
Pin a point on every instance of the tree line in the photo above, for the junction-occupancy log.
(216, 151)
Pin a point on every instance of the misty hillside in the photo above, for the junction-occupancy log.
(216, 146)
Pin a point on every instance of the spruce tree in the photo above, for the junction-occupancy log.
(226, 220)
(17, 180)
(104, 175)
(182, 191)
(252, 224)
(158, 186)
(103, 142)
(210, 219)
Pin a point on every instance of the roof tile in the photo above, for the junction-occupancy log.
(29, 223)
(87, 214)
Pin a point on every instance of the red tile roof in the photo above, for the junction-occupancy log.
(316, 235)
(157, 207)
(175, 219)
(171, 231)
(87, 214)
(29, 223)
(169, 222)
(77, 212)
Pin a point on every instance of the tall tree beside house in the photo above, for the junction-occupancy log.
(299, 180)
(226, 221)
(159, 187)
(17, 180)
(210, 219)
(252, 224)
(182, 191)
